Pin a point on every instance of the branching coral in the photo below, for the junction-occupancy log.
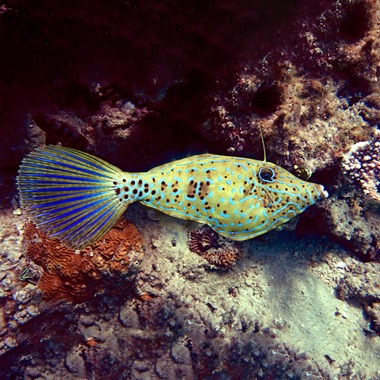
(219, 252)
(75, 277)
(362, 164)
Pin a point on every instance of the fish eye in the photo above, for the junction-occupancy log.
(267, 174)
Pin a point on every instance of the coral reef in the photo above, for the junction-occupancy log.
(310, 127)
(347, 218)
(309, 67)
(352, 214)
(140, 83)
(218, 251)
(73, 277)
(117, 124)
(310, 110)
(362, 164)
(242, 322)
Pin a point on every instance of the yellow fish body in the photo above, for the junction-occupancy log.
(77, 197)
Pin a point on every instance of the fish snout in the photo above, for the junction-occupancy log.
(322, 193)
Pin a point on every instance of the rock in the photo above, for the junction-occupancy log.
(23, 296)
(363, 284)
(165, 368)
(75, 363)
(128, 317)
(181, 353)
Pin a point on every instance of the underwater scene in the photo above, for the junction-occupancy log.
(190, 190)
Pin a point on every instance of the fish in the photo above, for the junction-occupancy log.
(77, 197)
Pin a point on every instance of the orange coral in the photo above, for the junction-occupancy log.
(53, 288)
(74, 277)
(219, 252)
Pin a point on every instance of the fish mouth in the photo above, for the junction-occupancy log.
(322, 193)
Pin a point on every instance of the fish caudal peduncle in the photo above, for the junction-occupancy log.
(77, 197)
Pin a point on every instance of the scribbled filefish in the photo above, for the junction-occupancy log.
(77, 197)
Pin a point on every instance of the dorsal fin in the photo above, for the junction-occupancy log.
(262, 140)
